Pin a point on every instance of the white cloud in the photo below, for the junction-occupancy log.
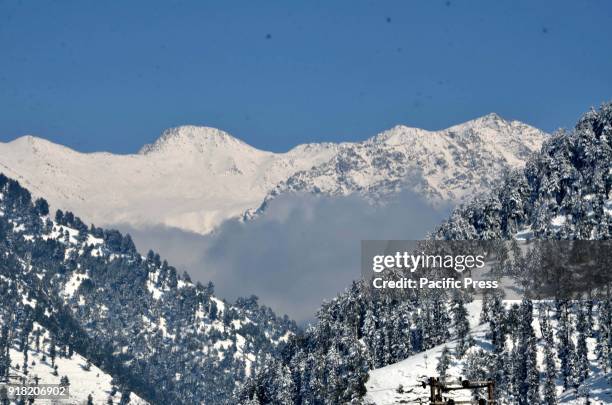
(303, 249)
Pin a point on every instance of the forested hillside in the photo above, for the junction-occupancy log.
(68, 289)
(537, 352)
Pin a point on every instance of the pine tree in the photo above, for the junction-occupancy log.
(476, 366)
(527, 374)
(332, 363)
(603, 348)
(461, 325)
(401, 342)
(5, 359)
(25, 360)
(485, 310)
(368, 332)
(550, 368)
(52, 352)
(497, 328)
(444, 363)
(565, 349)
(439, 321)
(581, 361)
(497, 321)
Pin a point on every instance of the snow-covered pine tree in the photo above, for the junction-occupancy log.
(527, 374)
(285, 392)
(484, 312)
(461, 325)
(603, 348)
(476, 367)
(565, 348)
(581, 361)
(368, 331)
(401, 342)
(440, 320)
(497, 330)
(332, 372)
(5, 358)
(550, 368)
(425, 326)
(444, 362)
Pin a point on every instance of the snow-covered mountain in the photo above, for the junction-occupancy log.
(449, 165)
(193, 178)
(72, 295)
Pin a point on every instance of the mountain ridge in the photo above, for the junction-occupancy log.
(190, 129)
(194, 178)
(453, 164)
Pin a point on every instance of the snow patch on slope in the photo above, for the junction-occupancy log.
(83, 382)
(73, 283)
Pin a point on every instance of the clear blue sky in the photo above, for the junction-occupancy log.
(111, 75)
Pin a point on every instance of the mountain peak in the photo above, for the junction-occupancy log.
(496, 123)
(191, 137)
(35, 144)
(403, 133)
(489, 120)
(492, 116)
(397, 134)
(29, 139)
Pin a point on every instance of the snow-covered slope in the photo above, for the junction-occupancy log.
(85, 379)
(384, 382)
(193, 178)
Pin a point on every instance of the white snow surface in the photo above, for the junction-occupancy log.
(73, 283)
(558, 221)
(193, 178)
(94, 382)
